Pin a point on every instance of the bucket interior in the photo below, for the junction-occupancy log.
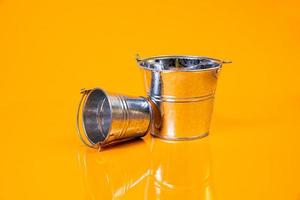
(179, 63)
(97, 116)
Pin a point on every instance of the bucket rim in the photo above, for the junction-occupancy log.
(218, 63)
(86, 132)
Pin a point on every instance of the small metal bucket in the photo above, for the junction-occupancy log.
(183, 89)
(105, 119)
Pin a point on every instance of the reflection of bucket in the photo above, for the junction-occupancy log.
(183, 89)
(155, 169)
(178, 172)
(116, 173)
(108, 119)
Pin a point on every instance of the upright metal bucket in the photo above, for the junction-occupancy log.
(183, 89)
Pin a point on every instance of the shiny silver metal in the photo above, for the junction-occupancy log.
(104, 119)
(183, 89)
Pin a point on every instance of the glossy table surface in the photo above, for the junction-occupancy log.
(243, 161)
(49, 50)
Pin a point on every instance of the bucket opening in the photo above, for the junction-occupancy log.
(179, 63)
(97, 116)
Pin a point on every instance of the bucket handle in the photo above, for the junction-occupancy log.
(226, 61)
(137, 57)
(221, 66)
(81, 135)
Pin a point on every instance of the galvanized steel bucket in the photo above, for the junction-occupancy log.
(183, 89)
(104, 119)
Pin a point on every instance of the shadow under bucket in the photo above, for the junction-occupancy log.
(183, 89)
(105, 119)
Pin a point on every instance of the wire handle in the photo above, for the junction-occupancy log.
(81, 135)
(226, 61)
(137, 57)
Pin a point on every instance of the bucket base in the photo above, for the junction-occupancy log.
(180, 138)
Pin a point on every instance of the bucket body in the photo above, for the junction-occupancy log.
(182, 88)
(105, 119)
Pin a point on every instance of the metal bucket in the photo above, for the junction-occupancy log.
(183, 89)
(105, 119)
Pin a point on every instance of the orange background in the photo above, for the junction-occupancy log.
(51, 49)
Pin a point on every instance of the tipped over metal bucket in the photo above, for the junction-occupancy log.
(105, 119)
(183, 89)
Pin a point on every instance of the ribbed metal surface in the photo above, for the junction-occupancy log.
(108, 119)
(182, 88)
